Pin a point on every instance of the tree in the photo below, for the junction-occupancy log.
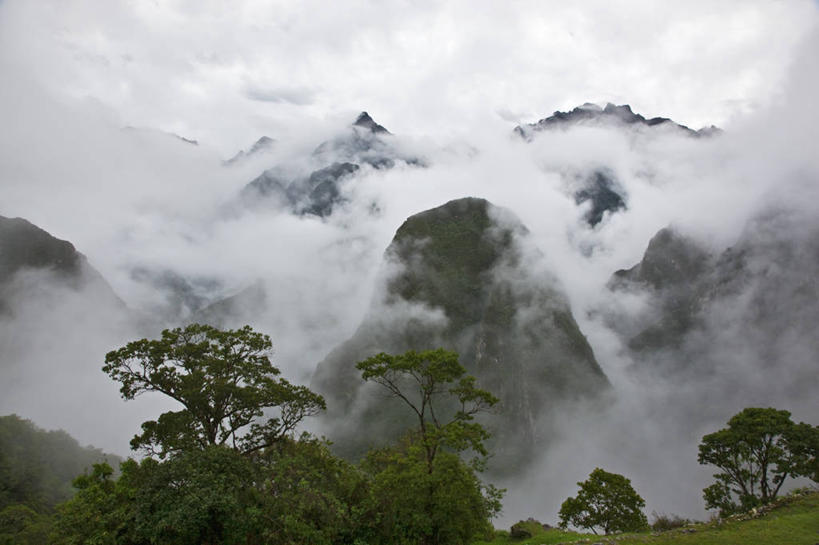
(756, 453)
(422, 492)
(310, 496)
(195, 497)
(410, 505)
(225, 473)
(98, 512)
(605, 500)
(22, 525)
(224, 381)
(429, 382)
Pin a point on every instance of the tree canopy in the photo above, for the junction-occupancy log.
(224, 381)
(756, 453)
(434, 385)
(605, 500)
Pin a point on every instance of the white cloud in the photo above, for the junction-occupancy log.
(199, 69)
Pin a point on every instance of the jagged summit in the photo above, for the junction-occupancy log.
(610, 114)
(264, 143)
(366, 122)
(261, 144)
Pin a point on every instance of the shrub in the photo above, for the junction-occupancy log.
(664, 523)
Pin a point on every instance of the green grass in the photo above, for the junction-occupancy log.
(794, 521)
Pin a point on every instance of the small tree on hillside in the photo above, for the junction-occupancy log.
(605, 500)
(756, 453)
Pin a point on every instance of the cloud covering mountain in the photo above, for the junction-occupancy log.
(156, 216)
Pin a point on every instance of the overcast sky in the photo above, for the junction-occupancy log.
(225, 72)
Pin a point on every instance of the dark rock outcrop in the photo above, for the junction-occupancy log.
(364, 143)
(25, 248)
(366, 122)
(601, 191)
(315, 194)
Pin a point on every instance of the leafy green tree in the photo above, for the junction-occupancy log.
(196, 497)
(605, 500)
(21, 525)
(224, 472)
(422, 491)
(756, 453)
(429, 383)
(224, 381)
(410, 504)
(310, 496)
(98, 512)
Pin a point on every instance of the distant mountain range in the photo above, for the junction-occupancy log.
(460, 276)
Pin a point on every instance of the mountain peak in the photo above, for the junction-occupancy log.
(611, 114)
(263, 144)
(366, 122)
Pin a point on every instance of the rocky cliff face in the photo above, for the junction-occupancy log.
(457, 278)
(365, 142)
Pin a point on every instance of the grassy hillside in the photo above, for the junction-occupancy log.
(794, 520)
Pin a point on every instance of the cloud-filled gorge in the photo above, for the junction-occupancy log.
(171, 227)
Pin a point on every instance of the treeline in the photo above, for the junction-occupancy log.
(37, 468)
(229, 467)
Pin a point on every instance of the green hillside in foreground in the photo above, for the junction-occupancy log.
(794, 520)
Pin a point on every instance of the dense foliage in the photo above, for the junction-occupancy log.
(224, 382)
(220, 474)
(756, 453)
(36, 471)
(413, 504)
(37, 466)
(605, 500)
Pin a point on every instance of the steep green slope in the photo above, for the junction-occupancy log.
(37, 466)
(457, 278)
